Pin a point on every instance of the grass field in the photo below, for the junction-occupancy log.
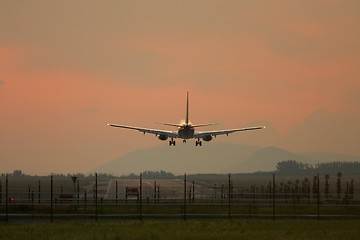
(224, 229)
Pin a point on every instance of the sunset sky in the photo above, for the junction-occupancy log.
(67, 68)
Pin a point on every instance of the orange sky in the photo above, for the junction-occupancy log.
(67, 69)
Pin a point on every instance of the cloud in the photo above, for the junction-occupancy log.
(2, 82)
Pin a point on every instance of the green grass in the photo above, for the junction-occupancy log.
(224, 229)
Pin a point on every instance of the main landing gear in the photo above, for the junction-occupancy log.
(172, 142)
(198, 142)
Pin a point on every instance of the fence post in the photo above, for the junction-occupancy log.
(39, 194)
(140, 198)
(61, 194)
(318, 197)
(29, 193)
(7, 199)
(78, 193)
(273, 196)
(85, 200)
(96, 197)
(184, 196)
(155, 193)
(229, 196)
(32, 200)
(116, 192)
(51, 198)
(193, 192)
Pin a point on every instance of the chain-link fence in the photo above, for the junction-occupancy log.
(55, 198)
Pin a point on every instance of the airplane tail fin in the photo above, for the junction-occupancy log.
(187, 122)
(187, 109)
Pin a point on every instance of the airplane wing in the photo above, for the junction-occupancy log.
(170, 134)
(223, 132)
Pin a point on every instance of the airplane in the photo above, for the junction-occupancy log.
(186, 130)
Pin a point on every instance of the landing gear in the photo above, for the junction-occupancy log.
(172, 142)
(198, 143)
(184, 141)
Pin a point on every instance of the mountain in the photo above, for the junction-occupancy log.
(184, 158)
(265, 159)
(214, 157)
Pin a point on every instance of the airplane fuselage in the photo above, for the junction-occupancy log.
(186, 132)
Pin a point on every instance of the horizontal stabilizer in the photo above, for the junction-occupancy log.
(169, 124)
(204, 125)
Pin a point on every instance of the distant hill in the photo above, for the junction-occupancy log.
(214, 157)
(265, 159)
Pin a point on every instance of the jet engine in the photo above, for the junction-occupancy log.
(163, 137)
(207, 138)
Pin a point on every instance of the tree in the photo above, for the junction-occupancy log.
(17, 173)
(327, 176)
(315, 185)
(307, 188)
(289, 167)
(338, 185)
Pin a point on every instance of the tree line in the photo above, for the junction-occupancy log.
(290, 167)
(146, 174)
